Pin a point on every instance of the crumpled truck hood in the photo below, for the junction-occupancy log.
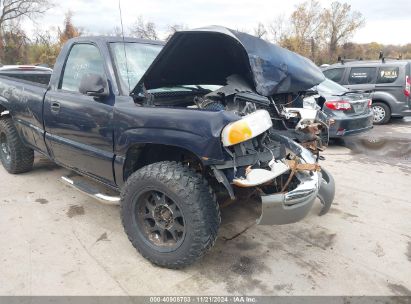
(209, 55)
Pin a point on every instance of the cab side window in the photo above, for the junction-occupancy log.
(334, 74)
(362, 75)
(83, 59)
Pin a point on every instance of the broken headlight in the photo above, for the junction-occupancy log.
(248, 127)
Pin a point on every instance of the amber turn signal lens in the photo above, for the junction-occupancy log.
(239, 132)
(247, 127)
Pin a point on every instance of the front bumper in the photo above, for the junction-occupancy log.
(327, 191)
(351, 125)
(292, 206)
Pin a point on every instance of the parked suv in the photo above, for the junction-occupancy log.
(388, 80)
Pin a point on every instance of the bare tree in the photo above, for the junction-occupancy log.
(13, 10)
(260, 31)
(45, 47)
(116, 31)
(144, 29)
(307, 27)
(279, 29)
(174, 28)
(300, 27)
(306, 20)
(15, 45)
(340, 24)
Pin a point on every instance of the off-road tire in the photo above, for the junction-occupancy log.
(387, 110)
(21, 157)
(196, 200)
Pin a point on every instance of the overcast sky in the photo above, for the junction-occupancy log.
(387, 22)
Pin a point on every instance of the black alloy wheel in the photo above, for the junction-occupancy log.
(160, 220)
(4, 148)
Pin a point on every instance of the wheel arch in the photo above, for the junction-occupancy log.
(3, 108)
(140, 155)
(385, 98)
(381, 100)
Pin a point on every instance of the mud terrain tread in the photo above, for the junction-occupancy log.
(22, 157)
(199, 198)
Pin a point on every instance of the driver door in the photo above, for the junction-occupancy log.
(79, 127)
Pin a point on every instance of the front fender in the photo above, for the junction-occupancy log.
(207, 149)
(4, 105)
(197, 131)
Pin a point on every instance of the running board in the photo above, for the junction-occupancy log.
(91, 188)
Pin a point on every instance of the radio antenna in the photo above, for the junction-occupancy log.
(124, 45)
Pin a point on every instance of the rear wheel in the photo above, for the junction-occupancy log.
(382, 113)
(14, 155)
(170, 214)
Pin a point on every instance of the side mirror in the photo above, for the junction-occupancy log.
(94, 85)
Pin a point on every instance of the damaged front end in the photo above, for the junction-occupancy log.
(294, 201)
(284, 174)
(251, 74)
(308, 126)
(273, 148)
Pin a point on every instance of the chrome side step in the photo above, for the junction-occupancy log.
(91, 188)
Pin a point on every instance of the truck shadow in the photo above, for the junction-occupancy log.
(246, 255)
(42, 164)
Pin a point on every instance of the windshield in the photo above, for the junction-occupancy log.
(139, 57)
(330, 87)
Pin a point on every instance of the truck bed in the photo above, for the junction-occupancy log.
(24, 100)
(36, 74)
(39, 78)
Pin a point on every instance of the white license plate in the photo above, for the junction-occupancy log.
(359, 107)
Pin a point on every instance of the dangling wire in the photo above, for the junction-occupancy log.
(124, 45)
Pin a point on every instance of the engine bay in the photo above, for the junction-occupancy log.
(306, 125)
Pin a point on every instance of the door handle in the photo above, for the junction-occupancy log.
(55, 107)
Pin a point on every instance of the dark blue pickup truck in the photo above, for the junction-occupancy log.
(168, 126)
